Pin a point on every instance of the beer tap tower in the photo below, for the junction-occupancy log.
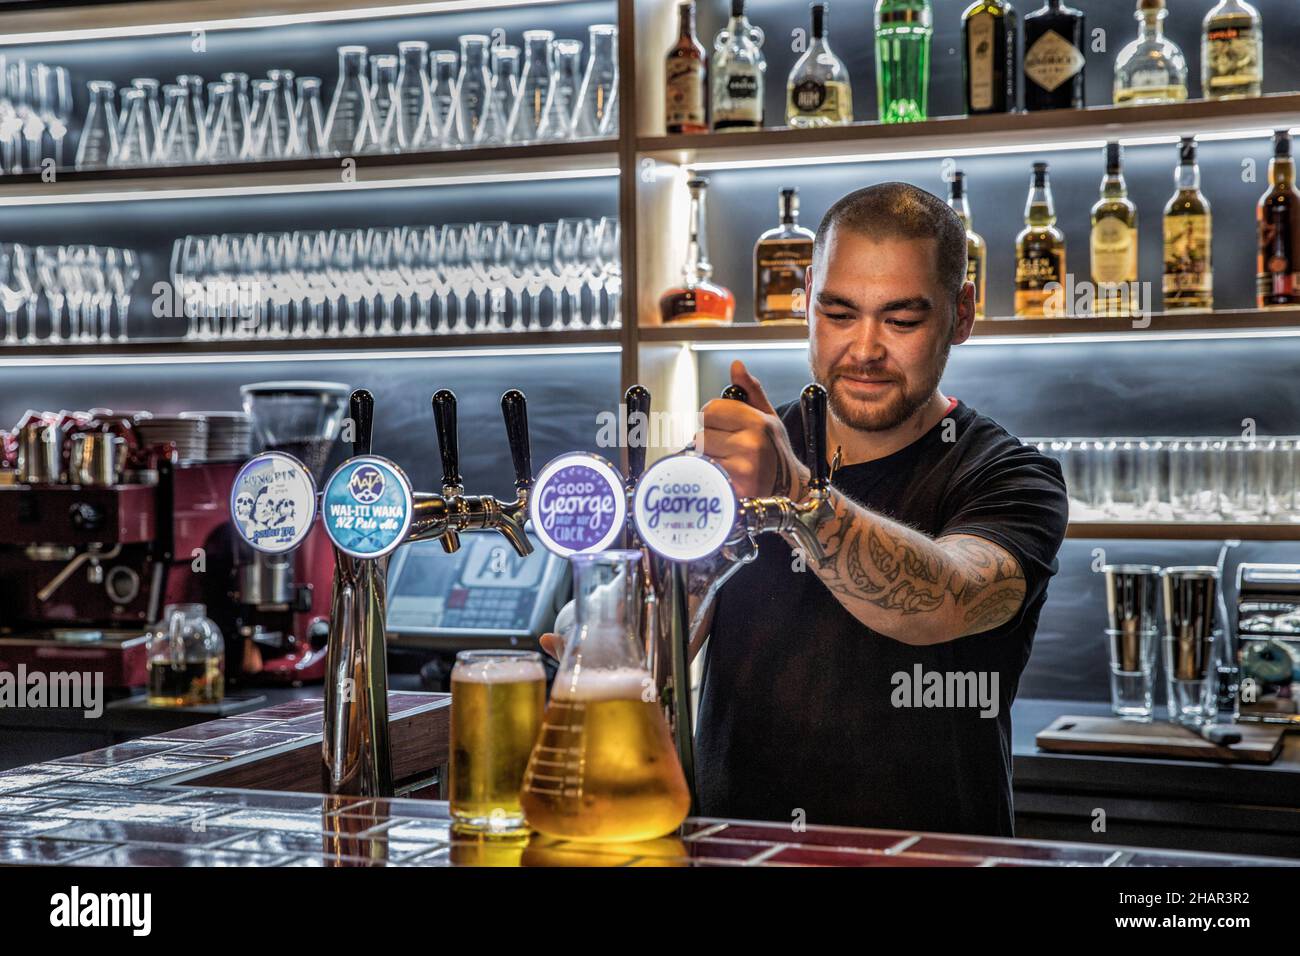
(369, 510)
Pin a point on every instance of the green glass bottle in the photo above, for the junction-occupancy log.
(903, 31)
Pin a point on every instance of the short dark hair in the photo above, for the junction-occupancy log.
(902, 211)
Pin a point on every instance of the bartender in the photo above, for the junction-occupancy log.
(874, 688)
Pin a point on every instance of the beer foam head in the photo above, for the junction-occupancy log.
(614, 683)
(500, 670)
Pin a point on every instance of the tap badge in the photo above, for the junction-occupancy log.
(273, 502)
(685, 507)
(578, 504)
(366, 506)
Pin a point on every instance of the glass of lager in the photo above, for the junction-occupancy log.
(497, 699)
(604, 768)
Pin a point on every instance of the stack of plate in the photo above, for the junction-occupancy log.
(189, 434)
(230, 434)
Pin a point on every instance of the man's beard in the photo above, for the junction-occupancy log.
(887, 414)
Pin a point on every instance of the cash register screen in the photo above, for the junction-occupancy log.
(484, 590)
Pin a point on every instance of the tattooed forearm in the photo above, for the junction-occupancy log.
(913, 588)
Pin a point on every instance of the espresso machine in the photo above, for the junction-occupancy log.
(282, 598)
(99, 530)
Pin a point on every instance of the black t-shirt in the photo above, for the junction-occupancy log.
(798, 705)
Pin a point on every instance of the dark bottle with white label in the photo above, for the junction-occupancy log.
(1054, 57)
(781, 259)
(988, 31)
(1279, 231)
(738, 72)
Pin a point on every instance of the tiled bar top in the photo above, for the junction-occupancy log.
(128, 805)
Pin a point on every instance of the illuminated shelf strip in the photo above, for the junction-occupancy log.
(1185, 531)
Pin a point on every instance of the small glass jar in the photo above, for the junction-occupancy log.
(187, 658)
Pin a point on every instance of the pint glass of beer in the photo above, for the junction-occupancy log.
(497, 699)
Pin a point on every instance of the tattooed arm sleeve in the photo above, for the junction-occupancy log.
(912, 588)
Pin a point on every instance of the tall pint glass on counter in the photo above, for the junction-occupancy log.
(604, 768)
(497, 699)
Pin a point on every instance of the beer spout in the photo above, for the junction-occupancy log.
(444, 420)
(636, 402)
(362, 408)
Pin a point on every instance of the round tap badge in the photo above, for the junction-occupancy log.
(366, 506)
(578, 504)
(273, 502)
(684, 507)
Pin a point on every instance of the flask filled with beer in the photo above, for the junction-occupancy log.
(604, 768)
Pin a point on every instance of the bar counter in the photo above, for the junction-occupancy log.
(236, 792)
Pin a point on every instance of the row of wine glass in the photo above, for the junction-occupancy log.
(485, 95)
(87, 292)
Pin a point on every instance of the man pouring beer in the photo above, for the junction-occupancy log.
(874, 688)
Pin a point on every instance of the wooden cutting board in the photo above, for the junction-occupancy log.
(1260, 743)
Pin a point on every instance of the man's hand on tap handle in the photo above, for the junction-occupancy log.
(749, 441)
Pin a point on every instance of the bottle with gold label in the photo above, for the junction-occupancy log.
(1040, 254)
(1151, 69)
(781, 259)
(818, 91)
(976, 250)
(1114, 243)
(988, 30)
(1279, 231)
(1189, 275)
(1054, 57)
(685, 107)
(1232, 52)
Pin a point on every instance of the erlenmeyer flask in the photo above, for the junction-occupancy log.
(133, 145)
(599, 94)
(99, 134)
(442, 93)
(223, 142)
(275, 126)
(534, 86)
(309, 122)
(414, 127)
(152, 111)
(175, 146)
(505, 90)
(473, 90)
(350, 119)
(240, 108)
(557, 122)
(604, 767)
(385, 103)
(198, 114)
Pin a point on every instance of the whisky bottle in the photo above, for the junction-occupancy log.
(903, 31)
(1151, 69)
(976, 250)
(782, 256)
(1188, 276)
(1054, 57)
(818, 91)
(1232, 52)
(1040, 253)
(988, 31)
(738, 72)
(1279, 230)
(698, 299)
(685, 109)
(1114, 244)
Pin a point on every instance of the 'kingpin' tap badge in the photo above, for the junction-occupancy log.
(273, 502)
(684, 507)
(366, 506)
(578, 504)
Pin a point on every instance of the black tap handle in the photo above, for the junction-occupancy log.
(514, 409)
(812, 402)
(736, 393)
(444, 421)
(637, 402)
(363, 419)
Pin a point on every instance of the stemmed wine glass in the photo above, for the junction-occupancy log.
(569, 267)
(521, 258)
(543, 275)
(457, 243)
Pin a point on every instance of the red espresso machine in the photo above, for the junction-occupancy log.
(282, 601)
(99, 531)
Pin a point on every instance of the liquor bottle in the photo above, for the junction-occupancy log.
(738, 72)
(782, 256)
(1151, 69)
(1189, 275)
(1040, 251)
(684, 77)
(698, 299)
(903, 31)
(1232, 52)
(976, 250)
(1279, 230)
(988, 31)
(1054, 57)
(818, 91)
(1114, 244)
